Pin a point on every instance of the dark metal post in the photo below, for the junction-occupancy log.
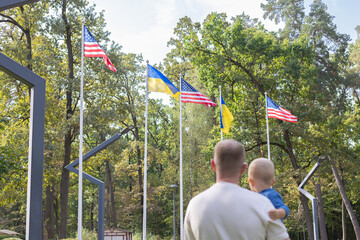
(174, 215)
(36, 143)
(101, 211)
(13, 3)
(35, 164)
(175, 188)
(101, 197)
(311, 197)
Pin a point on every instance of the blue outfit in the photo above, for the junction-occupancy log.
(275, 199)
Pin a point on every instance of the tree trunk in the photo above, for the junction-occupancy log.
(322, 224)
(49, 213)
(343, 210)
(108, 214)
(110, 191)
(138, 151)
(92, 212)
(345, 199)
(26, 31)
(64, 185)
(303, 199)
(130, 177)
(139, 160)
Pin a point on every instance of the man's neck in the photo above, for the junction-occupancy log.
(234, 180)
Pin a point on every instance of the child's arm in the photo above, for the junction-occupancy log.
(281, 211)
(277, 213)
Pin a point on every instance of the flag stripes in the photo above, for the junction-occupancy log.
(275, 111)
(190, 95)
(157, 82)
(93, 49)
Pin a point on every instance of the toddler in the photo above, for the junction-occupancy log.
(261, 176)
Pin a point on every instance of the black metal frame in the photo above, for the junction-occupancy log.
(311, 197)
(36, 133)
(101, 199)
(6, 4)
(36, 143)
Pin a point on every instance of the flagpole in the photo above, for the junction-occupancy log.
(221, 116)
(267, 126)
(81, 136)
(181, 171)
(145, 152)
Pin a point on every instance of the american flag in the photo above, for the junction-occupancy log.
(191, 95)
(93, 49)
(275, 111)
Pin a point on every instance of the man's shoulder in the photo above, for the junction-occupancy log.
(219, 190)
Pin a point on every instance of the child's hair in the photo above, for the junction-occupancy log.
(262, 169)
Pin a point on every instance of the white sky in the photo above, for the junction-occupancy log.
(145, 26)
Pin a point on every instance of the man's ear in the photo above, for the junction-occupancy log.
(273, 181)
(243, 168)
(213, 165)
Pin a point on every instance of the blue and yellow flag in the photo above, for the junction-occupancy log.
(159, 83)
(225, 117)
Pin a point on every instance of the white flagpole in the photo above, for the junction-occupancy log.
(267, 126)
(221, 116)
(145, 153)
(81, 136)
(181, 174)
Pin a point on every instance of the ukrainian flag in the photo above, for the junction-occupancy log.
(225, 117)
(157, 82)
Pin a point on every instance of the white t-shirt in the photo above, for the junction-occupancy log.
(226, 211)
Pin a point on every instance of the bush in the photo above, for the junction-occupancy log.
(7, 237)
(138, 236)
(86, 234)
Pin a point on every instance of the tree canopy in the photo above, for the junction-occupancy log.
(307, 67)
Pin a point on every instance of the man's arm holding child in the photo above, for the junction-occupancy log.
(277, 213)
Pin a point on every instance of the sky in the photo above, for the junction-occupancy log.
(145, 26)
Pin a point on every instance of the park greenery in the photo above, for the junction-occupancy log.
(307, 67)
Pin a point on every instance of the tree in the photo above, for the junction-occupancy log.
(246, 61)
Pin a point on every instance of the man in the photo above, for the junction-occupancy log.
(226, 211)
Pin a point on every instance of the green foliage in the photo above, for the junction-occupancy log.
(307, 67)
(138, 236)
(10, 238)
(86, 234)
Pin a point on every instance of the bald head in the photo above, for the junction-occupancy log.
(262, 170)
(229, 157)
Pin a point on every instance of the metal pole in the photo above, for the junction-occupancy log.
(81, 136)
(145, 153)
(101, 198)
(267, 127)
(101, 211)
(174, 191)
(181, 174)
(315, 219)
(35, 162)
(174, 215)
(304, 233)
(312, 198)
(221, 116)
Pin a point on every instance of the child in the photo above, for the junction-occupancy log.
(261, 178)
